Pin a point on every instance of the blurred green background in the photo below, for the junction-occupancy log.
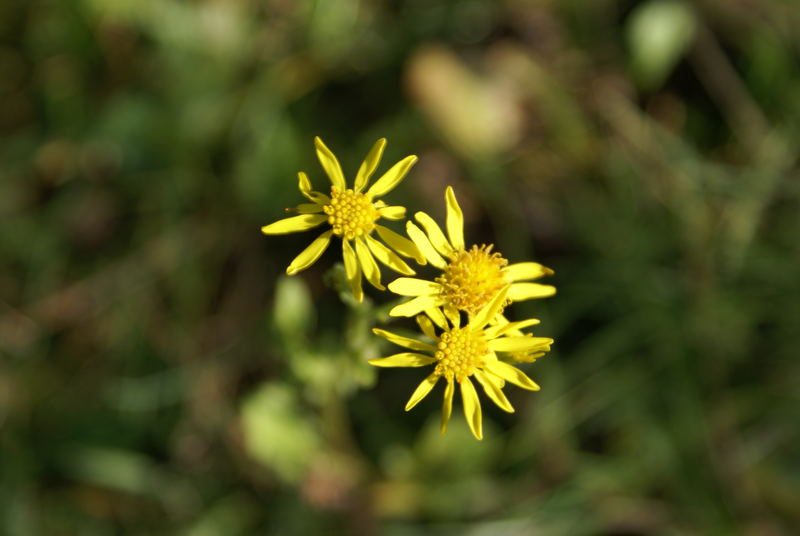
(159, 374)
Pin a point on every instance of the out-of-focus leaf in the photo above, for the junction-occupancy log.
(293, 309)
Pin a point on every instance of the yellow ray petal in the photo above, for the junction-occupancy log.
(294, 224)
(472, 408)
(455, 219)
(413, 307)
(511, 374)
(352, 270)
(369, 164)
(526, 270)
(308, 208)
(308, 256)
(489, 310)
(392, 212)
(453, 315)
(519, 344)
(422, 390)
(421, 240)
(405, 342)
(410, 286)
(330, 164)
(426, 326)
(527, 291)
(435, 234)
(494, 392)
(447, 405)
(509, 327)
(392, 178)
(388, 257)
(305, 189)
(368, 265)
(404, 359)
(438, 318)
(401, 244)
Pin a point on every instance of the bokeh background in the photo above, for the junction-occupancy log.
(160, 375)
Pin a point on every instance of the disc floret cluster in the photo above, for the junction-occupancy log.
(464, 333)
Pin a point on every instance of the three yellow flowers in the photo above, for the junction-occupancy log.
(475, 281)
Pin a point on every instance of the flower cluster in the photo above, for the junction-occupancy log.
(474, 284)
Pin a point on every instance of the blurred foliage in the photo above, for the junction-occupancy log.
(159, 375)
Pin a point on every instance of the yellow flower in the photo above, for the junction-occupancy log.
(470, 277)
(352, 216)
(459, 353)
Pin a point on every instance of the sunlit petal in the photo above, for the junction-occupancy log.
(369, 164)
(409, 286)
(425, 246)
(388, 257)
(294, 224)
(422, 390)
(527, 291)
(330, 164)
(401, 244)
(511, 374)
(413, 307)
(494, 392)
(309, 255)
(526, 270)
(392, 178)
(455, 219)
(472, 408)
(435, 234)
(405, 342)
(404, 359)
(447, 405)
(368, 265)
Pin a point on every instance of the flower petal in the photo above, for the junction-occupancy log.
(455, 219)
(410, 286)
(453, 315)
(511, 374)
(422, 390)
(369, 164)
(404, 359)
(405, 342)
(294, 224)
(526, 270)
(305, 189)
(413, 307)
(330, 164)
(527, 291)
(435, 314)
(395, 212)
(368, 265)
(401, 244)
(509, 327)
(489, 310)
(519, 344)
(435, 234)
(494, 392)
(421, 240)
(308, 208)
(308, 256)
(392, 178)
(447, 405)
(388, 257)
(472, 408)
(352, 270)
(426, 326)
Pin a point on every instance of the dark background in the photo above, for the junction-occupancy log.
(159, 374)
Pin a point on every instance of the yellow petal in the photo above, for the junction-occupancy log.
(368, 265)
(435, 234)
(392, 178)
(404, 359)
(511, 374)
(527, 291)
(426, 326)
(455, 219)
(309, 255)
(413, 307)
(409, 286)
(472, 408)
(438, 318)
(453, 315)
(519, 344)
(447, 405)
(294, 224)
(392, 212)
(526, 270)
(308, 208)
(509, 327)
(422, 390)
(405, 342)
(305, 189)
(489, 310)
(425, 246)
(401, 244)
(330, 164)
(352, 270)
(369, 164)
(494, 392)
(388, 257)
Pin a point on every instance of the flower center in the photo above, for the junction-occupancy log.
(460, 352)
(473, 278)
(350, 214)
